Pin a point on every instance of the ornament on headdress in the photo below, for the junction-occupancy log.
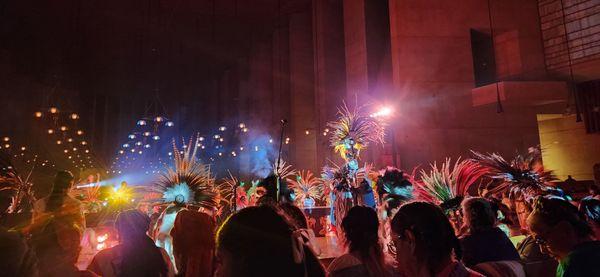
(394, 187)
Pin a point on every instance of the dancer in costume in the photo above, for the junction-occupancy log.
(351, 133)
(447, 186)
(523, 179)
(189, 184)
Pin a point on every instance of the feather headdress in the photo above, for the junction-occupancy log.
(20, 187)
(353, 131)
(394, 187)
(189, 181)
(305, 186)
(523, 174)
(448, 185)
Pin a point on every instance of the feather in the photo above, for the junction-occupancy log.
(180, 193)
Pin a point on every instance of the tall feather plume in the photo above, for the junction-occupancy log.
(188, 178)
(226, 187)
(305, 185)
(285, 170)
(354, 126)
(447, 185)
(12, 181)
(522, 173)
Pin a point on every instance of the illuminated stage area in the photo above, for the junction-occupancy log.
(301, 138)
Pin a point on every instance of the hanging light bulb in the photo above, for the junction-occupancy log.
(147, 134)
(201, 138)
(38, 114)
(23, 148)
(139, 143)
(50, 131)
(155, 137)
(242, 125)
(6, 139)
(159, 119)
(80, 132)
(74, 148)
(70, 140)
(63, 128)
(74, 116)
(169, 124)
(141, 122)
(147, 146)
(84, 143)
(7, 145)
(125, 145)
(66, 150)
(245, 130)
(53, 110)
(87, 151)
(222, 128)
(59, 142)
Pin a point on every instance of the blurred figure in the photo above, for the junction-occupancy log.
(297, 217)
(423, 241)
(483, 235)
(590, 208)
(136, 255)
(193, 244)
(365, 253)
(16, 257)
(564, 233)
(57, 228)
(257, 241)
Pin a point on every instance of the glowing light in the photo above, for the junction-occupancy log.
(233, 153)
(7, 145)
(139, 143)
(132, 150)
(74, 148)
(87, 151)
(220, 154)
(169, 124)
(155, 137)
(84, 142)
(201, 138)
(63, 128)
(159, 119)
(50, 131)
(53, 110)
(241, 148)
(6, 138)
(324, 133)
(245, 130)
(140, 152)
(170, 153)
(74, 116)
(221, 139)
(307, 132)
(23, 148)
(242, 125)
(270, 140)
(79, 132)
(222, 128)
(132, 136)
(70, 140)
(203, 147)
(256, 148)
(383, 112)
(216, 136)
(38, 114)
(66, 150)
(146, 134)
(147, 146)
(141, 122)
(70, 157)
(125, 145)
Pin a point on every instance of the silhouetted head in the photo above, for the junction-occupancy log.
(478, 214)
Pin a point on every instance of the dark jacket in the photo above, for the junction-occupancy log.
(487, 246)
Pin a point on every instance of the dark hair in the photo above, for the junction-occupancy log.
(140, 256)
(270, 185)
(60, 188)
(294, 214)
(553, 210)
(193, 243)
(434, 235)
(481, 216)
(361, 227)
(590, 208)
(260, 242)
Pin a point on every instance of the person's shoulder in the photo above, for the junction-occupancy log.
(344, 261)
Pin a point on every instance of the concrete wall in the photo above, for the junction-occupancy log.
(567, 149)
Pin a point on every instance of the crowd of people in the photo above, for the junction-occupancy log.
(557, 237)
